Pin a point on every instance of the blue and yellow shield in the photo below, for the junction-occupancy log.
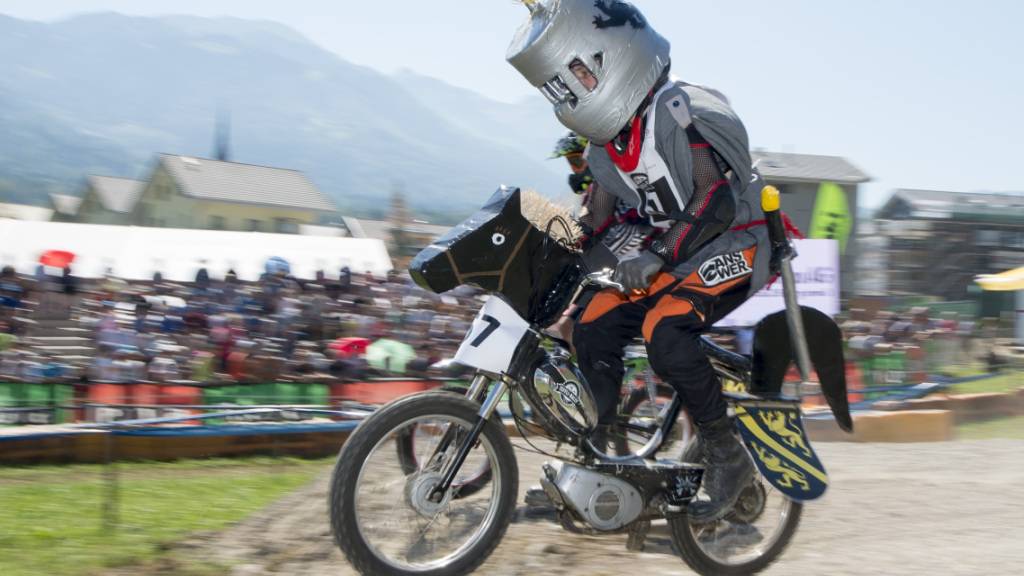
(778, 443)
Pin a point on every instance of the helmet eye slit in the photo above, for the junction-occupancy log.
(583, 74)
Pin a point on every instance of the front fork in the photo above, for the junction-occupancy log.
(487, 408)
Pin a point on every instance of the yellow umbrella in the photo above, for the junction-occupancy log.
(1005, 282)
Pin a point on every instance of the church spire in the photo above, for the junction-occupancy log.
(222, 136)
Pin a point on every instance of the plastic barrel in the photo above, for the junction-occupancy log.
(8, 399)
(62, 395)
(176, 394)
(317, 394)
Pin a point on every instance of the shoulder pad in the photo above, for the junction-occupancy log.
(679, 107)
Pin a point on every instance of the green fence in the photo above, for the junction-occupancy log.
(35, 403)
(273, 393)
(48, 403)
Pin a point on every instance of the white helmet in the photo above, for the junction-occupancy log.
(564, 40)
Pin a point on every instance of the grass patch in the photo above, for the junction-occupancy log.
(52, 520)
(1007, 382)
(964, 370)
(1011, 428)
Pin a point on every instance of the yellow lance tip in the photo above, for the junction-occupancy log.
(770, 199)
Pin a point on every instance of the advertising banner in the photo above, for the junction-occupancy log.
(817, 281)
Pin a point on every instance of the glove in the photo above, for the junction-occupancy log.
(637, 273)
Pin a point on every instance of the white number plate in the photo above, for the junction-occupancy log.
(491, 342)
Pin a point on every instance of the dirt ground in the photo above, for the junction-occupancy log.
(942, 508)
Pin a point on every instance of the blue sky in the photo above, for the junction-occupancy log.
(918, 93)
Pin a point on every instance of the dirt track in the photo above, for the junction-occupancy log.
(947, 508)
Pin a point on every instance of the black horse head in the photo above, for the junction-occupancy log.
(499, 250)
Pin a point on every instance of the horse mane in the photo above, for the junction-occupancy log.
(543, 214)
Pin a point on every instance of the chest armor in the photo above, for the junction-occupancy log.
(658, 197)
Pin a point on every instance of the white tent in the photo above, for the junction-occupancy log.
(136, 252)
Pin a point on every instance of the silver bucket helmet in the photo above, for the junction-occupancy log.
(568, 44)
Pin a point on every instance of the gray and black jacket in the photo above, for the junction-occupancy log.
(700, 139)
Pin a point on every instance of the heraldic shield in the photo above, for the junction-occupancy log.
(776, 439)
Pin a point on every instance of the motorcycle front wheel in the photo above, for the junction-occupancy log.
(382, 514)
(469, 483)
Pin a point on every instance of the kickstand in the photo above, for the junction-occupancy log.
(638, 535)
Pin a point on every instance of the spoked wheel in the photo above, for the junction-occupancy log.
(415, 438)
(387, 521)
(412, 439)
(747, 540)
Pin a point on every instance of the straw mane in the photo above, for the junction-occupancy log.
(540, 211)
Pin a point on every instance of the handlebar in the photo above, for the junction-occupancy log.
(780, 245)
(603, 279)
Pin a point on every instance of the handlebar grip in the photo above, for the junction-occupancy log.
(770, 204)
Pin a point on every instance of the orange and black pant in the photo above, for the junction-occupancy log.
(671, 316)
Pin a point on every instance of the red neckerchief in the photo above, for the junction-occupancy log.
(628, 161)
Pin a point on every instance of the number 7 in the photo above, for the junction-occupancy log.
(492, 325)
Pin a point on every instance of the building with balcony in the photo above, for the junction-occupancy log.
(936, 242)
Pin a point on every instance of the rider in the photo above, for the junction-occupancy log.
(678, 154)
(571, 147)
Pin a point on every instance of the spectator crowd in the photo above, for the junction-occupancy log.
(56, 327)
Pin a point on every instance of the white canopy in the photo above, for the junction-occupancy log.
(136, 253)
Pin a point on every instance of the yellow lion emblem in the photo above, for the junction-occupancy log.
(777, 423)
(733, 386)
(787, 476)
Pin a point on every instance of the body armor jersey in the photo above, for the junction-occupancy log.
(682, 119)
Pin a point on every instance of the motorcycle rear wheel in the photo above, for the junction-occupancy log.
(708, 549)
(381, 516)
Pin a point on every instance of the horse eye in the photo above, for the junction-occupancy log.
(498, 239)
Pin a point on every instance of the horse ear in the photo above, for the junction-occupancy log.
(513, 202)
(514, 205)
(505, 201)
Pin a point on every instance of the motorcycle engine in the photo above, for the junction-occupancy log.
(604, 502)
(560, 392)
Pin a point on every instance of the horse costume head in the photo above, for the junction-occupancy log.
(518, 245)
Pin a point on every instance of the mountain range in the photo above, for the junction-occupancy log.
(104, 93)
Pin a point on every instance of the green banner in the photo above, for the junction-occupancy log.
(831, 218)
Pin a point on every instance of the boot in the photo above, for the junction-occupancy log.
(728, 471)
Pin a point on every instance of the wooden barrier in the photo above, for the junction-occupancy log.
(907, 426)
(965, 407)
(912, 426)
(99, 446)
